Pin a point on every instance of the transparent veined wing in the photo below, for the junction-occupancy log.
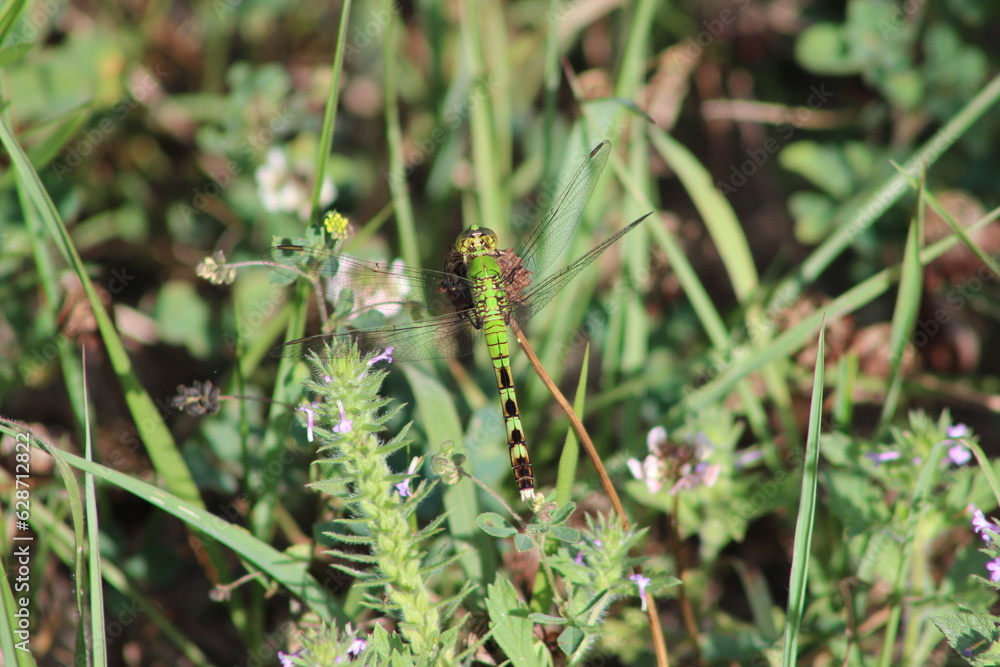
(548, 238)
(357, 286)
(538, 295)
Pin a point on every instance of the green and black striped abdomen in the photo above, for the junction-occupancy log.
(491, 306)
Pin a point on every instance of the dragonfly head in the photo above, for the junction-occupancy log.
(476, 240)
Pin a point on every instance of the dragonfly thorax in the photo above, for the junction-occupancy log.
(476, 241)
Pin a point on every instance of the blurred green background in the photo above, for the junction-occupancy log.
(166, 132)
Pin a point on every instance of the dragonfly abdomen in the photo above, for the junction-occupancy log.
(497, 342)
(492, 309)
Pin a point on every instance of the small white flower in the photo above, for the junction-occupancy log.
(641, 582)
(650, 470)
(310, 419)
(285, 188)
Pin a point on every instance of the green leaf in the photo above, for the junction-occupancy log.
(904, 316)
(547, 619)
(182, 318)
(824, 49)
(495, 525)
(512, 629)
(821, 165)
(976, 637)
(813, 213)
(439, 417)
(854, 500)
(905, 89)
(562, 513)
(804, 523)
(11, 54)
(523, 543)
(571, 639)
(565, 534)
(294, 575)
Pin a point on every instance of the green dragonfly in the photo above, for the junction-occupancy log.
(481, 288)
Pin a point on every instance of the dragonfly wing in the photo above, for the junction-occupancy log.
(549, 237)
(538, 295)
(388, 288)
(436, 338)
(427, 297)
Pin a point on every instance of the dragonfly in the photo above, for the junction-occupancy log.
(474, 299)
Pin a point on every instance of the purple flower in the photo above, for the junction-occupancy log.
(993, 567)
(641, 582)
(747, 458)
(878, 458)
(385, 356)
(310, 419)
(958, 431)
(358, 645)
(682, 463)
(959, 454)
(345, 424)
(985, 528)
(404, 486)
(703, 473)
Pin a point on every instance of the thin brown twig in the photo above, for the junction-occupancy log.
(687, 612)
(659, 644)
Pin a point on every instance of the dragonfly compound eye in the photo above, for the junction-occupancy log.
(476, 239)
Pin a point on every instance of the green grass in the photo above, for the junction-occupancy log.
(801, 253)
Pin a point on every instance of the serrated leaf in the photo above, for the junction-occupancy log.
(976, 637)
(512, 629)
(495, 525)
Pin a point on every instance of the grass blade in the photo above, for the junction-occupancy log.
(807, 512)
(904, 317)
